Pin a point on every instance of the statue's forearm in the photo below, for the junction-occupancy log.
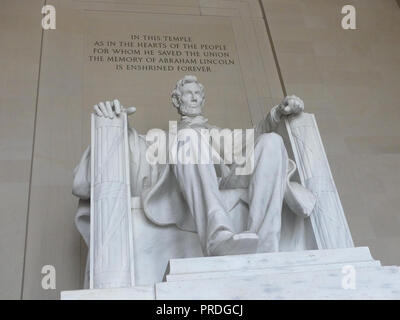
(274, 118)
(269, 123)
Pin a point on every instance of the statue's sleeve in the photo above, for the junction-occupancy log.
(81, 181)
(81, 189)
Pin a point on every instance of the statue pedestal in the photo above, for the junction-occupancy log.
(135, 293)
(313, 274)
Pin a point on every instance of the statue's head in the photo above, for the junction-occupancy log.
(188, 96)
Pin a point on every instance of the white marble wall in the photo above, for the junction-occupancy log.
(20, 35)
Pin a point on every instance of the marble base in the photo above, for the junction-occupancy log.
(314, 274)
(135, 293)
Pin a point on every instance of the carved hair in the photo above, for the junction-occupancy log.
(177, 93)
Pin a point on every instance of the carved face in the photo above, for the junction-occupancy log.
(191, 100)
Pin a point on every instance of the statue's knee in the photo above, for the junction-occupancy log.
(270, 140)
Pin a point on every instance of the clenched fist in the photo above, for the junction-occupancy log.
(291, 105)
(111, 109)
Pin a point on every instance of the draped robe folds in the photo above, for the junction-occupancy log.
(157, 186)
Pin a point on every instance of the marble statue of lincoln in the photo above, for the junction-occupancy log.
(194, 196)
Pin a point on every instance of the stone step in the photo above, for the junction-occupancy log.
(271, 270)
(370, 283)
(267, 260)
(135, 293)
(316, 274)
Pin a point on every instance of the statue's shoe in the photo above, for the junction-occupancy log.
(240, 243)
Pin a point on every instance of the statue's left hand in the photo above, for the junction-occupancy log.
(291, 105)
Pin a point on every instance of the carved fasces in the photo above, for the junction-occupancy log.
(328, 220)
(111, 246)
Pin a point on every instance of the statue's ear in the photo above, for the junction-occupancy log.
(175, 101)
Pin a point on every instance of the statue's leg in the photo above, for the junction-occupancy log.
(266, 190)
(199, 185)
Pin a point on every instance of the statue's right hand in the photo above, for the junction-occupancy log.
(111, 109)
